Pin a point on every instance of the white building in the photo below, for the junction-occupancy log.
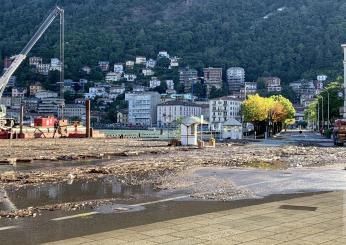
(174, 62)
(170, 112)
(104, 65)
(96, 91)
(50, 106)
(142, 108)
(163, 54)
(34, 61)
(55, 64)
(86, 69)
(295, 86)
(148, 72)
(222, 109)
(117, 89)
(235, 78)
(151, 63)
(306, 99)
(154, 82)
(71, 110)
(46, 94)
(273, 84)
(112, 77)
(140, 88)
(130, 64)
(118, 68)
(141, 60)
(43, 69)
(170, 84)
(11, 82)
(322, 78)
(19, 92)
(130, 77)
(249, 88)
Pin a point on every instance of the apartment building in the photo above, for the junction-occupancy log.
(142, 108)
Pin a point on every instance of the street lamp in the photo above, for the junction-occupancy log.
(322, 114)
(328, 109)
(318, 115)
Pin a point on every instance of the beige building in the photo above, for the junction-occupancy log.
(170, 112)
(273, 84)
(213, 77)
(223, 109)
(71, 110)
(35, 88)
(122, 116)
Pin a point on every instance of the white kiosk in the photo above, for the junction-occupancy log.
(232, 129)
(189, 127)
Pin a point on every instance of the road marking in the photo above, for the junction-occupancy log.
(7, 228)
(159, 201)
(133, 205)
(75, 216)
(264, 182)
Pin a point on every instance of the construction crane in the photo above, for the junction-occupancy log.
(6, 123)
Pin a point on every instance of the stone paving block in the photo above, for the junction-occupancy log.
(212, 228)
(287, 236)
(132, 238)
(278, 229)
(157, 232)
(251, 235)
(262, 241)
(72, 241)
(186, 241)
(309, 230)
(109, 241)
(219, 235)
(223, 241)
(105, 235)
(188, 226)
(320, 238)
(298, 242)
(163, 239)
(187, 233)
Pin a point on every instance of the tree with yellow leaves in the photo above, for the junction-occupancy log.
(260, 111)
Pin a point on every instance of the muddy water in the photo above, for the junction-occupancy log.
(53, 164)
(76, 191)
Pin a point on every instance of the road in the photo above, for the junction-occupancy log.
(295, 137)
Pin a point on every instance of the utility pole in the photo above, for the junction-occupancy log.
(318, 115)
(322, 114)
(62, 53)
(344, 95)
(328, 111)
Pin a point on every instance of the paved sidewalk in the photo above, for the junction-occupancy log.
(317, 219)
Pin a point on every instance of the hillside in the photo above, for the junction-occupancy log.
(290, 39)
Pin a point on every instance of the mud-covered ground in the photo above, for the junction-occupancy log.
(134, 161)
(137, 162)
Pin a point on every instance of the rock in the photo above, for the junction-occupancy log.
(72, 176)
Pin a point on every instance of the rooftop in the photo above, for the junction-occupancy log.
(179, 102)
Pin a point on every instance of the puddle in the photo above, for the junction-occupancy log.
(118, 208)
(77, 191)
(50, 164)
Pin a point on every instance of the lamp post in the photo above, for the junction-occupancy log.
(328, 110)
(318, 115)
(322, 114)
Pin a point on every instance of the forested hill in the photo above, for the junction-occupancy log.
(287, 38)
